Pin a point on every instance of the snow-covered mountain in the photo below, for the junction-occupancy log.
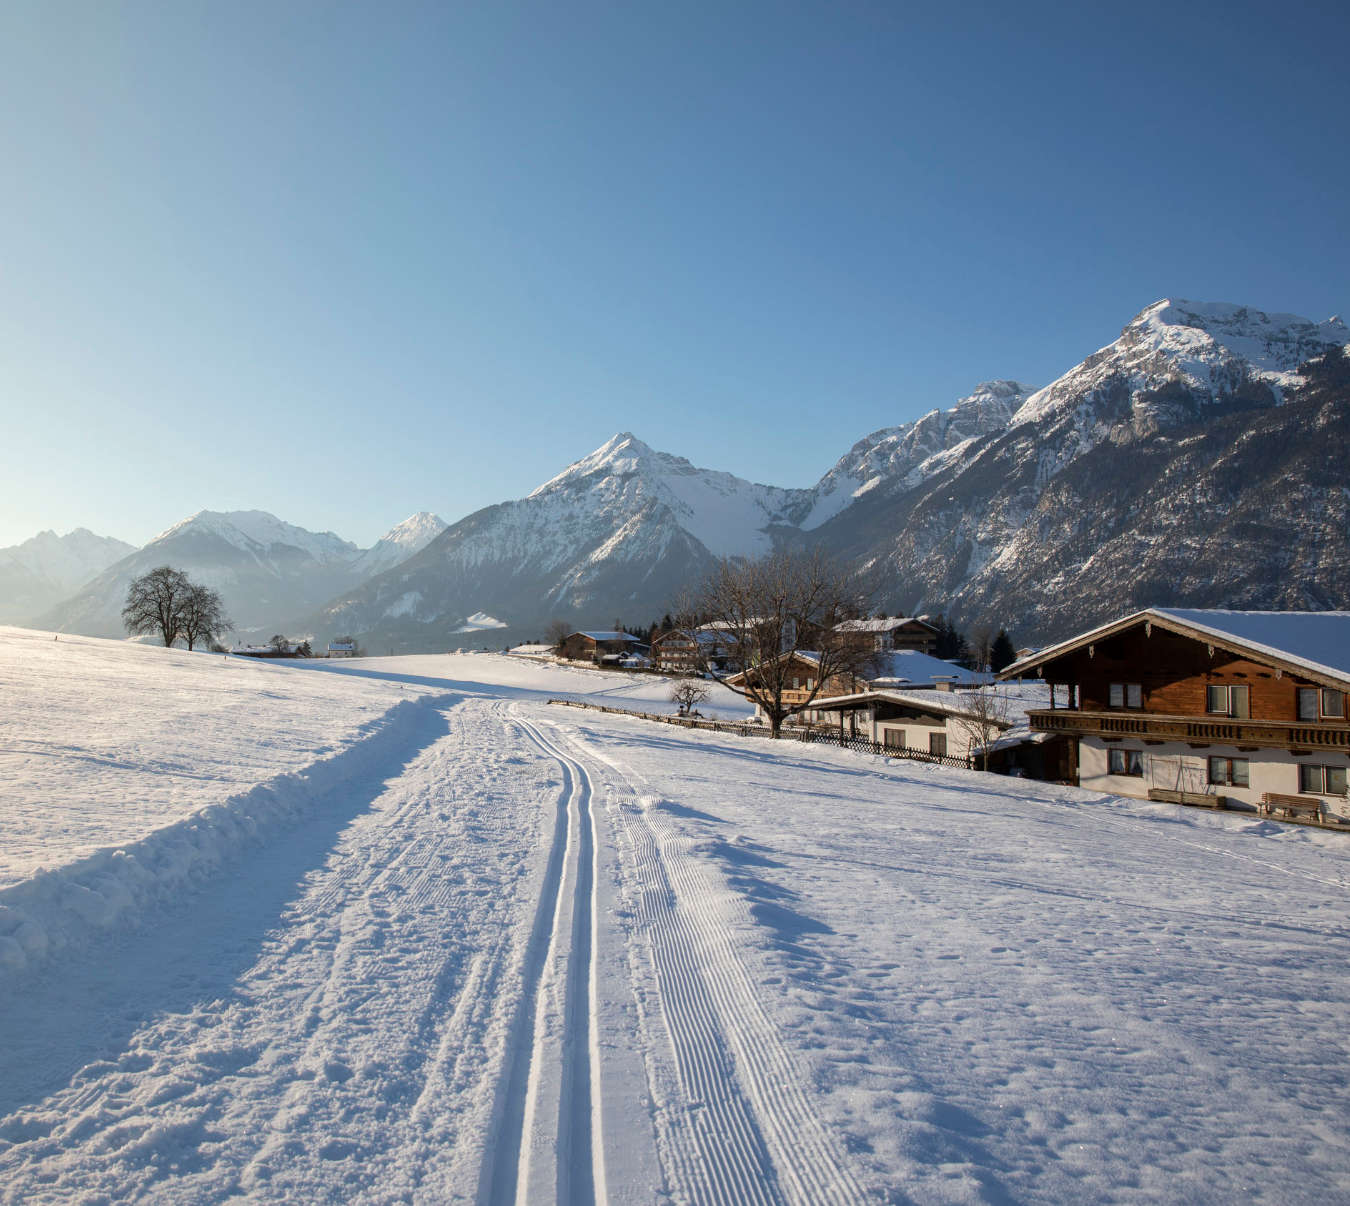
(399, 543)
(267, 571)
(909, 453)
(1193, 461)
(1185, 463)
(621, 531)
(43, 570)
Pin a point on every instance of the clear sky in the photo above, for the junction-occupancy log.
(347, 261)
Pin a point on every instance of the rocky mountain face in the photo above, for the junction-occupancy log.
(398, 544)
(265, 570)
(1188, 462)
(40, 572)
(621, 533)
(1185, 463)
(911, 452)
(1196, 461)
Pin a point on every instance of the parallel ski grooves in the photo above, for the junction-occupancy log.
(563, 1052)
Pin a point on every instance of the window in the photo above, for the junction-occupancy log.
(1320, 703)
(1322, 780)
(1229, 772)
(1125, 762)
(1127, 695)
(937, 743)
(1224, 700)
(893, 739)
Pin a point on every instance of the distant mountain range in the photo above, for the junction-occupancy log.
(1197, 460)
(267, 571)
(40, 572)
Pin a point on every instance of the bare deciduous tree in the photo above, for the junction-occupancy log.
(688, 693)
(154, 603)
(764, 612)
(985, 715)
(279, 643)
(202, 616)
(558, 632)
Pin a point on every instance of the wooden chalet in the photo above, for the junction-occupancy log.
(1231, 708)
(897, 632)
(599, 647)
(687, 652)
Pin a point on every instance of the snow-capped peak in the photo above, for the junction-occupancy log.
(726, 514)
(402, 541)
(254, 531)
(908, 451)
(415, 532)
(1209, 348)
(621, 455)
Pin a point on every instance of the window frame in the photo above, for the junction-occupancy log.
(937, 744)
(1324, 771)
(1130, 696)
(1228, 771)
(1132, 762)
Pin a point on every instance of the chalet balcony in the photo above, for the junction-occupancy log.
(1194, 730)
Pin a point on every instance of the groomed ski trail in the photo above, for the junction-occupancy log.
(740, 1128)
(548, 1145)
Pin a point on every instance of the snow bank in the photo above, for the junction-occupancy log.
(113, 888)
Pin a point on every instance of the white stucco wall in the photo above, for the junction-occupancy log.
(1176, 766)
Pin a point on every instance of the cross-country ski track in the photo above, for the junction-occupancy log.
(486, 950)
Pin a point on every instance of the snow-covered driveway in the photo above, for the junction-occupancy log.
(517, 953)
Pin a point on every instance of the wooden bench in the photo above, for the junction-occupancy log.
(1291, 806)
(1197, 799)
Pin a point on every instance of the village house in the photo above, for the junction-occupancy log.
(899, 670)
(688, 652)
(1232, 708)
(896, 632)
(600, 647)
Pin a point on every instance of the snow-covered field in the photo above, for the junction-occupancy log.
(396, 930)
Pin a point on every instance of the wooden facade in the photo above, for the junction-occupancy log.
(1174, 706)
(598, 646)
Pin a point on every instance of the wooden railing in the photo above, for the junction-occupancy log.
(1191, 729)
(789, 733)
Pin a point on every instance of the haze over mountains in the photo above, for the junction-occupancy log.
(1197, 460)
(266, 571)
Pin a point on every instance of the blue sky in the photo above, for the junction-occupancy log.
(344, 262)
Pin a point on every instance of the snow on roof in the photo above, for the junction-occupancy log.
(609, 636)
(1318, 641)
(911, 666)
(878, 625)
(1018, 699)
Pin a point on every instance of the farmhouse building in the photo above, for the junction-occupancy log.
(897, 632)
(1246, 708)
(686, 652)
(599, 647)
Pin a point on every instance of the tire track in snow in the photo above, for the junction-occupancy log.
(549, 1137)
(752, 1134)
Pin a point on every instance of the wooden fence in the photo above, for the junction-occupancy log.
(811, 736)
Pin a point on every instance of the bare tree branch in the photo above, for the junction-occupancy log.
(764, 627)
(154, 603)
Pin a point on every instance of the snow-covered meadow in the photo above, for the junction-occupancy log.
(396, 930)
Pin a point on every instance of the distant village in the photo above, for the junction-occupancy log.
(1206, 708)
